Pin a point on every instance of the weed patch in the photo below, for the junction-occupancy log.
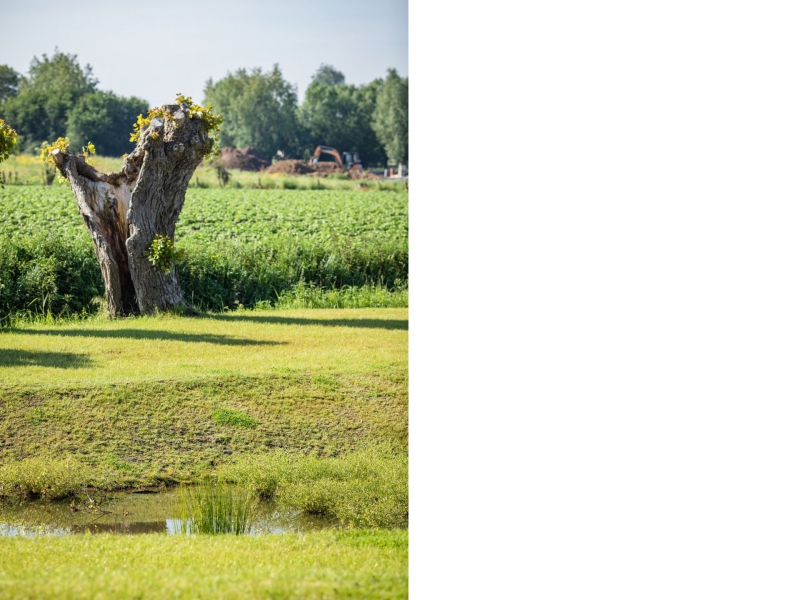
(229, 416)
(44, 478)
(366, 488)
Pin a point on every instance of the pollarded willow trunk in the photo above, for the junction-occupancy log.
(124, 211)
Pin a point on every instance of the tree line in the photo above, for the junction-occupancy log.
(60, 98)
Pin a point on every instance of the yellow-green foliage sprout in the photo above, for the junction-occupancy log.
(212, 121)
(87, 151)
(47, 154)
(8, 139)
(163, 253)
(143, 122)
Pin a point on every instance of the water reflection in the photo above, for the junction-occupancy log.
(131, 514)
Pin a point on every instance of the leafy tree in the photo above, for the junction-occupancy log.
(9, 83)
(259, 111)
(390, 120)
(104, 119)
(8, 139)
(60, 74)
(340, 115)
(373, 152)
(328, 75)
(53, 85)
(60, 98)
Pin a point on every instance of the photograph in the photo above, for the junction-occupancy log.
(204, 300)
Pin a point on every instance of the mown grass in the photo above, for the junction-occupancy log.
(315, 565)
(170, 348)
(166, 431)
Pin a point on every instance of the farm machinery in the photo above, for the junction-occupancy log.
(349, 161)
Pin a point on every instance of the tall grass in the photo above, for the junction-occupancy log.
(215, 508)
(305, 295)
(27, 170)
(45, 274)
(52, 479)
(367, 488)
(59, 276)
(233, 274)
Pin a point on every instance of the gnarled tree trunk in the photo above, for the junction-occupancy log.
(124, 211)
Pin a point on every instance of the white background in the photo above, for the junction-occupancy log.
(605, 299)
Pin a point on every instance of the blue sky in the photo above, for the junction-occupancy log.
(155, 49)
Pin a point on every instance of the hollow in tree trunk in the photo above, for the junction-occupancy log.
(124, 211)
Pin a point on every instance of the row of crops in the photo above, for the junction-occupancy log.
(243, 246)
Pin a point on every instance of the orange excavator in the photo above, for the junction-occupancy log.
(351, 161)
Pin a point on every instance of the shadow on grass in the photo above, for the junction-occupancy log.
(59, 360)
(148, 334)
(367, 323)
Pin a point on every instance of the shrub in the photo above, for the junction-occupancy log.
(45, 274)
(43, 478)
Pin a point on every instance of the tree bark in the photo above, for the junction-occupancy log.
(124, 211)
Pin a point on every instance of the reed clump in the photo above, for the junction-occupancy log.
(215, 508)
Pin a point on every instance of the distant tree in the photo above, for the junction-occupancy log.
(106, 120)
(9, 83)
(390, 120)
(328, 75)
(340, 115)
(53, 85)
(259, 110)
(373, 151)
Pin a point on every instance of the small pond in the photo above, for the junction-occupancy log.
(130, 513)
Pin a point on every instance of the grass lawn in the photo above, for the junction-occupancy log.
(169, 398)
(306, 406)
(328, 564)
(246, 343)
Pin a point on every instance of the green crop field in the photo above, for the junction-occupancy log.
(253, 216)
(244, 247)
